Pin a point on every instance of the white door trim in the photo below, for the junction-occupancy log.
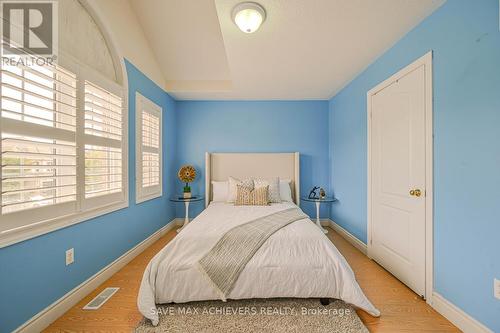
(425, 61)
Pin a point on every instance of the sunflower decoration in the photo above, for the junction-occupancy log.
(187, 174)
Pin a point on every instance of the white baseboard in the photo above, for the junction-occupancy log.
(178, 221)
(457, 316)
(48, 315)
(346, 235)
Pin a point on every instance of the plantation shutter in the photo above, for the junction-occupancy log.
(103, 153)
(148, 122)
(38, 141)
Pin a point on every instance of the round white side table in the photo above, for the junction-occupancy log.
(186, 206)
(318, 203)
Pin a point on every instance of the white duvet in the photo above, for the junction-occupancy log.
(296, 261)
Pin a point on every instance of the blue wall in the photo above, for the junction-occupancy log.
(33, 273)
(465, 38)
(255, 126)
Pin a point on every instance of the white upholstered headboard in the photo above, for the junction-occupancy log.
(219, 166)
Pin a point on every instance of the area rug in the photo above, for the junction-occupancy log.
(256, 315)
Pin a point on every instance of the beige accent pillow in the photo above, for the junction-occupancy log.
(231, 194)
(246, 196)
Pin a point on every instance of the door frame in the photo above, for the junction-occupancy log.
(425, 61)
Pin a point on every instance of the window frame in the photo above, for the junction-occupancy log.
(18, 226)
(142, 193)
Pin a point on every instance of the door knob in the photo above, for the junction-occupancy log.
(416, 192)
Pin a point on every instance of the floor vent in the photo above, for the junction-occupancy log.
(100, 299)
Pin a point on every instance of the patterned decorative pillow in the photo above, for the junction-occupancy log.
(246, 196)
(274, 188)
(231, 195)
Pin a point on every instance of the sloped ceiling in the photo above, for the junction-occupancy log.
(304, 49)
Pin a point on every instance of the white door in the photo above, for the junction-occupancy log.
(398, 181)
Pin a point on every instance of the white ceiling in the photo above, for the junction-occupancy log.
(306, 49)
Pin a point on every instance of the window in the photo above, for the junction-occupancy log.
(103, 143)
(38, 137)
(148, 149)
(62, 149)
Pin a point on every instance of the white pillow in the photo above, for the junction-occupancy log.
(285, 190)
(219, 191)
(231, 194)
(274, 188)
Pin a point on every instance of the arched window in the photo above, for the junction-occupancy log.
(63, 133)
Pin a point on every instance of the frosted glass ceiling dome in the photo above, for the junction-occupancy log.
(248, 16)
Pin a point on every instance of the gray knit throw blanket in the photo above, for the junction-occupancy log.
(223, 264)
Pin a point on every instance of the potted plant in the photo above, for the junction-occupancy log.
(187, 174)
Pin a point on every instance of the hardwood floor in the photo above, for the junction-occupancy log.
(402, 310)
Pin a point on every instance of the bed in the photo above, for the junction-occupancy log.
(296, 261)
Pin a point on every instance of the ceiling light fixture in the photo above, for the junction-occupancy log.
(248, 16)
